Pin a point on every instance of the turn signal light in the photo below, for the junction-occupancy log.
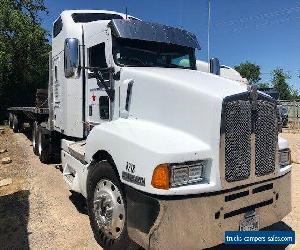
(161, 177)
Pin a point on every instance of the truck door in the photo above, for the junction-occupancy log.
(57, 92)
(97, 100)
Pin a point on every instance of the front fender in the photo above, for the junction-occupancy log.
(144, 145)
(282, 143)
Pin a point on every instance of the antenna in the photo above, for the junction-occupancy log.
(181, 14)
(208, 33)
(126, 12)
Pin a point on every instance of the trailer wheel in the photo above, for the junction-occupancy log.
(10, 120)
(107, 208)
(44, 149)
(35, 138)
(15, 124)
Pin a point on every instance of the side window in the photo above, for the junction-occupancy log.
(91, 17)
(97, 56)
(97, 59)
(104, 107)
(57, 27)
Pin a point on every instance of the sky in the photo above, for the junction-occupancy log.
(263, 32)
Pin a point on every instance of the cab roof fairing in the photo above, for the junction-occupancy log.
(69, 13)
(140, 30)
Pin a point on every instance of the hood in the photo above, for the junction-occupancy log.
(199, 81)
(186, 100)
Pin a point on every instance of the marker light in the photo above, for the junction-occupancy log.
(161, 177)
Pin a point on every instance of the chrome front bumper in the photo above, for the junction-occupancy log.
(199, 221)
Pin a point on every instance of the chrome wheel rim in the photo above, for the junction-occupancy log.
(33, 138)
(109, 209)
(40, 143)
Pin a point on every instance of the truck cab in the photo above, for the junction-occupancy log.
(166, 155)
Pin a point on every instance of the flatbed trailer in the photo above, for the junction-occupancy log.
(38, 113)
(38, 119)
(30, 110)
(18, 116)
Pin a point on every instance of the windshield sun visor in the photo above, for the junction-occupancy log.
(140, 30)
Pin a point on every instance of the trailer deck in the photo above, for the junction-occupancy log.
(27, 115)
(34, 110)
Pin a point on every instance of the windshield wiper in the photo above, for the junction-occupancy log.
(141, 50)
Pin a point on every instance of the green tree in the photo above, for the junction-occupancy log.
(295, 94)
(263, 85)
(280, 83)
(24, 52)
(250, 71)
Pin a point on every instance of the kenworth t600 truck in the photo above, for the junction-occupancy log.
(167, 156)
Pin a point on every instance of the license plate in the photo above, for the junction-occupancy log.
(250, 223)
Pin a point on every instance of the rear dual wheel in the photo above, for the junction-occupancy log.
(16, 124)
(35, 138)
(44, 146)
(10, 120)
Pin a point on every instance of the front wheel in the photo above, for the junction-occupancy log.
(107, 208)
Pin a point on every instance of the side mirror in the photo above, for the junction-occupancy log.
(214, 66)
(72, 58)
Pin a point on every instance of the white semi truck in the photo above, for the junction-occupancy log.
(167, 156)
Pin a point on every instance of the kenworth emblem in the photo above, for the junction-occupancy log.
(253, 96)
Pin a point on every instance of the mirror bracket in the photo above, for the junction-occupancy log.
(96, 73)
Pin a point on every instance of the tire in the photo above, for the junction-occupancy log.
(15, 124)
(56, 150)
(103, 183)
(35, 138)
(10, 120)
(44, 147)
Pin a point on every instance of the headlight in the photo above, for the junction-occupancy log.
(285, 157)
(175, 175)
(186, 174)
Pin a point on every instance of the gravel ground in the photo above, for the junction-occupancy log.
(37, 210)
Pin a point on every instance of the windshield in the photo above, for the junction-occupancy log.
(139, 53)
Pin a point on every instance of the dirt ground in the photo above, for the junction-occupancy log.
(293, 219)
(37, 210)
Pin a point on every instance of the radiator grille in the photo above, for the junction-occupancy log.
(240, 122)
(237, 140)
(266, 138)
